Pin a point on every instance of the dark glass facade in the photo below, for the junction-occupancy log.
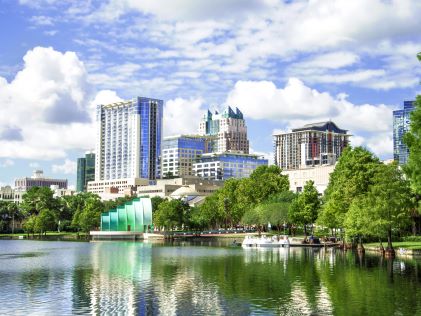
(401, 122)
(80, 179)
(85, 172)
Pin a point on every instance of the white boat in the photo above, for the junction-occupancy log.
(265, 242)
(249, 241)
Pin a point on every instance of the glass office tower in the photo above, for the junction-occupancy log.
(401, 122)
(180, 152)
(85, 171)
(129, 139)
(222, 166)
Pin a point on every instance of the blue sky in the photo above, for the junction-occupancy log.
(283, 63)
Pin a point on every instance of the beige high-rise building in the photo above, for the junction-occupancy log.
(309, 146)
(229, 129)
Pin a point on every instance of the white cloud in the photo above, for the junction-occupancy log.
(182, 116)
(266, 155)
(47, 106)
(331, 60)
(6, 163)
(181, 9)
(68, 167)
(34, 165)
(42, 20)
(106, 97)
(296, 104)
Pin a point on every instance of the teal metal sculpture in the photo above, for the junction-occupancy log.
(135, 216)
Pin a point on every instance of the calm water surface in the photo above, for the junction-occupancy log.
(67, 278)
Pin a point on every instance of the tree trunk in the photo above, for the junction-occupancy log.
(390, 252)
(360, 246)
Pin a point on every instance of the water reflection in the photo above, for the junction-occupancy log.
(181, 279)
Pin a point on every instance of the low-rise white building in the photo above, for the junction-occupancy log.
(121, 185)
(320, 175)
(166, 187)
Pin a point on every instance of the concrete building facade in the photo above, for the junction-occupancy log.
(320, 175)
(38, 180)
(166, 187)
(309, 146)
(229, 129)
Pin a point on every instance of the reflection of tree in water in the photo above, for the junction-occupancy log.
(257, 282)
(362, 286)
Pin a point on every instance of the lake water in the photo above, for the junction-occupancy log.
(135, 278)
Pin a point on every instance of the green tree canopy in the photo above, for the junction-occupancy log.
(413, 141)
(305, 207)
(171, 214)
(351, 178)
(37, 199)
(44, 221)
(88, 216)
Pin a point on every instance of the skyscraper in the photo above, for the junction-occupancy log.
(129, 139)
(85, 171)
(311, 145)
(401, 122)
(229, 129)
(180, 152)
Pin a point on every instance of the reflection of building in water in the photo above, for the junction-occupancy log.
(187, 292)
(302, 304)
(120, 283)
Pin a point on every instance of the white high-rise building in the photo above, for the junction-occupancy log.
(229, 129)
(129, 138)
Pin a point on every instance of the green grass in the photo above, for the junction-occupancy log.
(55, 234)
(414, 245)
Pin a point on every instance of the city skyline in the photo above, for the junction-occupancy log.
(283, 64)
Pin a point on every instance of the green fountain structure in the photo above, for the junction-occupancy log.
(130, 220)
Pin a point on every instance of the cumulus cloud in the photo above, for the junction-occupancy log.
(68, 167)
(6, 163)
(297, 104)
(227, 38)
(181, 116)
(47, 106)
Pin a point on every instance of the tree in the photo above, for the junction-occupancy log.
(413, 166)
(389, 202)
(198, 221)
(357, 222)
(228, 204)
(264, 182)
(37, 199)
(44, 221)
(278, 206)
(211, 211)
(384, 208)
(413, 141)
(305, 207)
(29, 224)
(171, 214)
(156, 201)
(351, 178)
(255, 217)
(88, 217)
